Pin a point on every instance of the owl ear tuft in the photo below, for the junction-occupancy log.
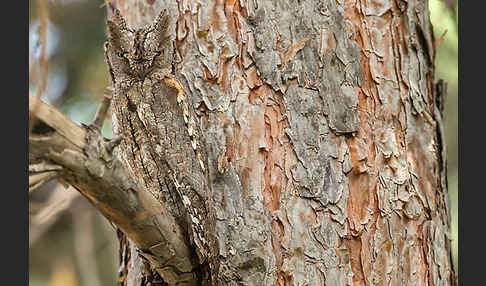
(117, 17)
(161, 24)
(115, 24)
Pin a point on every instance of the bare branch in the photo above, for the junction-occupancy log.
(101, 178)
(109, 146)
(37, 180)
(58, 121)
(102, 109)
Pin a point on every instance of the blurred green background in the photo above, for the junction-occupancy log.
(444, 19)
(70, 242)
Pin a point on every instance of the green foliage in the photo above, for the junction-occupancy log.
(446, 63)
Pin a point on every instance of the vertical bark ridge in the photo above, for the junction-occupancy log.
(398, 146)
(319, 122)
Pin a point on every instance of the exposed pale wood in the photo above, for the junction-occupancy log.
(36, 180)
(57, 120)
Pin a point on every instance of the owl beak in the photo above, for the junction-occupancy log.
(143, 75)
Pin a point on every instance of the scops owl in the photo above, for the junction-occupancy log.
(162, 142)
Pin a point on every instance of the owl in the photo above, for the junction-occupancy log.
(136, 54)
(161, 144)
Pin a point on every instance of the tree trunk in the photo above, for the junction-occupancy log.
(324, 138)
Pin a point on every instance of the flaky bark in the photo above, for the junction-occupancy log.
(324, 139)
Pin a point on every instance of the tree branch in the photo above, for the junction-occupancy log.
(90, 168)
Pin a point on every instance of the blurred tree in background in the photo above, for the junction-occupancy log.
(70, 242)
(443, 15)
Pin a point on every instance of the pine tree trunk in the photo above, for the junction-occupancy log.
(324, 139)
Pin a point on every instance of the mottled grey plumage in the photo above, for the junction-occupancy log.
(161, 143)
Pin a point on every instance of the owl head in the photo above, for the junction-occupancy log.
(139, 53)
